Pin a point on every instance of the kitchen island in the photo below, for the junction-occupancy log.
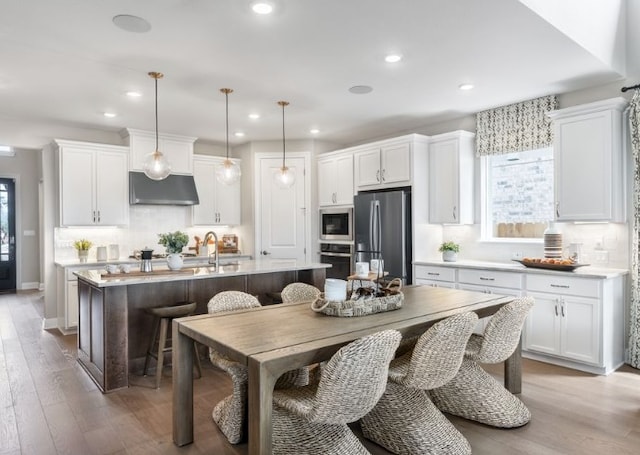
(114, 330)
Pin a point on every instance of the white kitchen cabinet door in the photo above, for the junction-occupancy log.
(435, 283)
(368, 168)
(588, 161)
(335, 180)
(112, 189)
(219, 203)
(566, 326)
(93, 184)
(451, 171)
(71, 314)
(395, 164)
(77, 187)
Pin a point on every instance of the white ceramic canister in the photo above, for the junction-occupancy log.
(114, 251)
(101, 253)
(335, 289)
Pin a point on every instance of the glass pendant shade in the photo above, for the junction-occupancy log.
(228, 172)
(284, 177)
(156, 166)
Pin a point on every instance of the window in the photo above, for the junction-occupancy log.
(519, 194)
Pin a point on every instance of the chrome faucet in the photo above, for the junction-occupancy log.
(205, 243)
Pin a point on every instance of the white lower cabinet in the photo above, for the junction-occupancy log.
(67, 295)
(489, 282)
(443, 277)
(576, 322)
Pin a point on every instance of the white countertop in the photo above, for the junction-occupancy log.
(224, 257)
(202, 272)
(585, 272)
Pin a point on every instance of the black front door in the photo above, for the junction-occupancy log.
(7, 235)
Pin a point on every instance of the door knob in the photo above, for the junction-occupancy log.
(264, 252)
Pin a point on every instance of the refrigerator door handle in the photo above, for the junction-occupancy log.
(371, 225)
(377, 228)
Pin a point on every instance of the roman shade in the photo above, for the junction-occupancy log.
(516, 127)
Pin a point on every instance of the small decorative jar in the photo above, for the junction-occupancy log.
(174, 261)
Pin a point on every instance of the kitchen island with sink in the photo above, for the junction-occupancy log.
(114, 331)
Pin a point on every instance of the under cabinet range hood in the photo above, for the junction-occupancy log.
(174, 190)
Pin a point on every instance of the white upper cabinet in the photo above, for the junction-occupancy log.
(177, 149)
(385, 164)
(93, 184)
(335, 179)
(451, 170)
(219, 203)
(589, 176)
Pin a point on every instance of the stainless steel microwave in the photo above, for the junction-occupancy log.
(336, 224)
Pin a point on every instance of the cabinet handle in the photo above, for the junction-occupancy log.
(94, 216)
(562, 309)
(378, 175)
(454, 213)
(433, 273)
(98, 216)
(487, 279)
(563, 286)
(334, 198)
(557, 210)
(383, 171)
(556, 307)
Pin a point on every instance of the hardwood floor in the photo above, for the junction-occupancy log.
(48, 405)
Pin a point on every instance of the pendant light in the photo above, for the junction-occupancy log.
(284, 177)
(155, 165)
(228, 172)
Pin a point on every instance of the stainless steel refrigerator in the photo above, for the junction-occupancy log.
(383, 230)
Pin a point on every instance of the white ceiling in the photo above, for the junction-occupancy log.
(64, 62)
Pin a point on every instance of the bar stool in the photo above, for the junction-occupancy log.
(158, 346)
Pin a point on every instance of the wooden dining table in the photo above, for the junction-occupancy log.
(274, 339)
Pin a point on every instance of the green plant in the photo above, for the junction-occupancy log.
(82, 244)
(449, 246)
(173, 241)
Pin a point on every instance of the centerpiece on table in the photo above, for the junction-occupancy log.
(83, 246)
(449, 251)
(174, 242)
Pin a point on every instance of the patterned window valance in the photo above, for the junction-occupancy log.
(516, 127)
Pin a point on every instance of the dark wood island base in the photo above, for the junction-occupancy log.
(114, 331)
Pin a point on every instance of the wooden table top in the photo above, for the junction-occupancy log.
(247, 333)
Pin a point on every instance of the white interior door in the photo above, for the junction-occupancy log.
(282, 212)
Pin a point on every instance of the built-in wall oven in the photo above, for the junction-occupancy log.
(336, 224)
(340, 256)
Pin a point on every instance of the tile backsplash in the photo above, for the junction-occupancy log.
(145, 223)
(602, 244)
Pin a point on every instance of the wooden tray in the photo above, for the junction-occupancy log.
(184, 271)
(372, 276)
(542, 265)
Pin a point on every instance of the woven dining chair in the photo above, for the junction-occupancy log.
(473, 393)
(299, 292)
(230, 413)
(405, 421)
(313, 420)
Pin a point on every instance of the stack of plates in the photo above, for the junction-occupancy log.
(553, 245)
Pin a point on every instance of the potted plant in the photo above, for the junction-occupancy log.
(173, 243)
(449, 251)
(83, 246)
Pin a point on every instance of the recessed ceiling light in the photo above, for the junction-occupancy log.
(238, 134)
(393, 58)
(109, 114)
(262, 7)
(133, 94)
(361, 89)
(254, 116)
(132, 24)
(314, 131)
(465, 86)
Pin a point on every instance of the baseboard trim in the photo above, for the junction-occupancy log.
(50, 323)
(30, 286)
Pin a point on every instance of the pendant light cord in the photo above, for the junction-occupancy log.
(156, 79)
(226, 96)
(283, 104)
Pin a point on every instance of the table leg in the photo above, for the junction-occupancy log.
(261, 384)
(513, 370)
(182, 359)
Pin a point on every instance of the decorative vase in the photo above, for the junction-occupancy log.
(83, 255)
(174, 261)
(449, 256)
(553, 242)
